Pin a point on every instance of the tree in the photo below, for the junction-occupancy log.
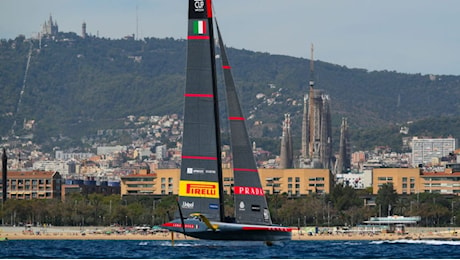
(386, 199)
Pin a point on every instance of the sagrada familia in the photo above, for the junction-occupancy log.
(316, 145)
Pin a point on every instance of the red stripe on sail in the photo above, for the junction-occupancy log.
(227, 67)
(199, 157)
(235, 118)
(245, 170)
(198, 37)
(209, 8)
(199, 95)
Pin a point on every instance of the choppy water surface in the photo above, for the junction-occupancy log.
(220, 249)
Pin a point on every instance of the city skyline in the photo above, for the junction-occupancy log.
(409, 37)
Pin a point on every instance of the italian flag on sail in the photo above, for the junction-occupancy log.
(199, 27)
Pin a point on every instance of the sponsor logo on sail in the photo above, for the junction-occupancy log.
(188, 205)
(201, 189)
(241, 206)
(248, 191)
(199, 5)
(198, 171)
(213, 206)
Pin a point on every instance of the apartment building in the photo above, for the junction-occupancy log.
(141, 183)
(27, 185)
(404, 180)
(425, 150)
(294, 182)
(416, 180)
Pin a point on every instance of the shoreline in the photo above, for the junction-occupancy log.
(98, 233)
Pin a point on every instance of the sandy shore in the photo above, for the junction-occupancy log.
(99, 233)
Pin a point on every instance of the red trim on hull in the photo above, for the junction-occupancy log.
(269, 228)
(227, 67)
(178, 225)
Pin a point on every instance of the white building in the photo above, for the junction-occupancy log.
(427, 150)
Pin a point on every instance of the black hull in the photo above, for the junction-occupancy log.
(242, 235)
(230, 231)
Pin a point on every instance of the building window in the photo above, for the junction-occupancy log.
(290, 179)
(289, 186)
(163, 180)
(297, 179)
(404, 179)
(170, 180)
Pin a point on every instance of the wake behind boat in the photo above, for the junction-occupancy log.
(200, 202)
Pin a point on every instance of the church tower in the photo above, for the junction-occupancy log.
(50, 28)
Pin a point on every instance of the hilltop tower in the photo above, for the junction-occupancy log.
(83, 30)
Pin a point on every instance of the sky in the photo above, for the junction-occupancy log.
(407, 36)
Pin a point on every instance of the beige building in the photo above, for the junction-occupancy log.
(27, 185)
(295, 182)
(404, 180)
(415, 180)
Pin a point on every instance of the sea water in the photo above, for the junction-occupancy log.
(198, 249)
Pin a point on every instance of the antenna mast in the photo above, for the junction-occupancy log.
(312, 81)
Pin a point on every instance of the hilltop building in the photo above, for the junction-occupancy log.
(50, 28)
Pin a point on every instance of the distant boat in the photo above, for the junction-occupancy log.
(200, 202)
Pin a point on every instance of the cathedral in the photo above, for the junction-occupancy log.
(50, 28)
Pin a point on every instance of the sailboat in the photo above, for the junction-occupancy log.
(200, 201)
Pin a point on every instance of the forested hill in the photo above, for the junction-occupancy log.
(74, 86)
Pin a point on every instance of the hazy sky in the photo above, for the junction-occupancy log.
(410, 36)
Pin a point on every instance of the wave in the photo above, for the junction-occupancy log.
(418, 241)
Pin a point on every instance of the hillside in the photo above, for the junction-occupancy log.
(74, 86)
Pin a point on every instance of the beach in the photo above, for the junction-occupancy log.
(106, 233)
